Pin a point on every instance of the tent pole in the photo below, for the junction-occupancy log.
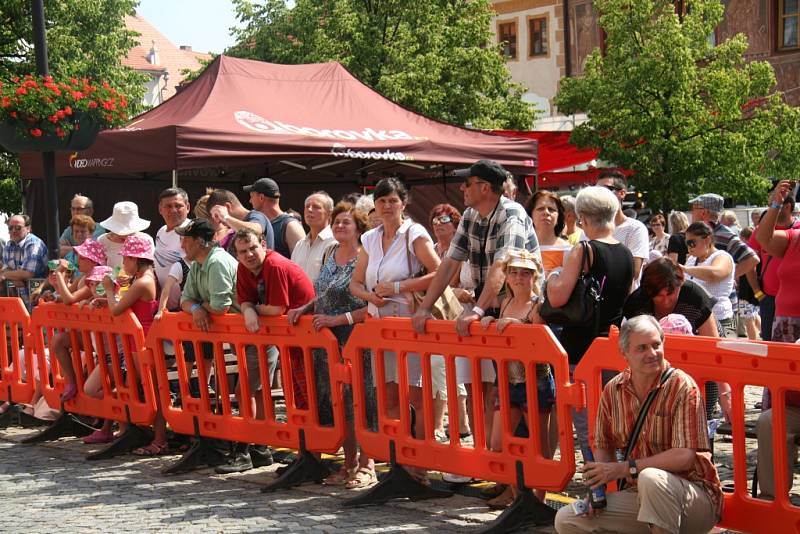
(536, 180)
(174, 178)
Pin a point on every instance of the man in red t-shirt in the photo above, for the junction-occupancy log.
(269, 284)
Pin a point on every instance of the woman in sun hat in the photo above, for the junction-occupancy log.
(138, 262)
(124, 221)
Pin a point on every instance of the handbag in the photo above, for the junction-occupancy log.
(637, 426)
(581, 308)
(447, 307)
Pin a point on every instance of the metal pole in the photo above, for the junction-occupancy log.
(174, 178)
(48, 158)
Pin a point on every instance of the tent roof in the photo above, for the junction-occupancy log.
(315, 119)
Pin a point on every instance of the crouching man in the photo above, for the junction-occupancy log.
(671, 485)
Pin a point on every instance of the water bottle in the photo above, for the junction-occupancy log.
(597, 496)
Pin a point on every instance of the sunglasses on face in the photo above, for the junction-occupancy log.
(468, 184)
(693, 242)
(612, 188)
(14, 227)
(441, 219)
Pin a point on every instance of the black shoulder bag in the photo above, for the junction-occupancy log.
(581, 308)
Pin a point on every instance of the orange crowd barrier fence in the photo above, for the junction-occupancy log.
(17, 377)
(520, 460)
(210, 413)
(94, 340)
(739, 363)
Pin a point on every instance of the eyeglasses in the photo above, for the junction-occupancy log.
(441, 219)
(691, 243)
(468, 184)
(653, 225)
(15, 227)
(613, 188)
(78, 208)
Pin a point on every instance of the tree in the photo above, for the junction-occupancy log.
(85, 38)
(687, 115)
(435, 57)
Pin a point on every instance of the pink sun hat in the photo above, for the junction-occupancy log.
(137, 246)
(92, 250)
(675, 323)
(98, 273)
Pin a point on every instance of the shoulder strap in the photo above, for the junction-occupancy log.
(408, 256)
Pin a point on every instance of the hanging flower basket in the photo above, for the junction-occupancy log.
(42, 114)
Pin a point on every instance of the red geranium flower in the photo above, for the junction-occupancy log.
(36, 132)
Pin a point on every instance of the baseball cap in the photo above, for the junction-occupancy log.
(201, 228)
(266, 186)
(485, 169)
(709, 201)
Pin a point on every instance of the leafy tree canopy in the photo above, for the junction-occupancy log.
(687, 115)
(434, 56)
(85, 38)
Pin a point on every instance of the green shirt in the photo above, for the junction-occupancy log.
(213, 281)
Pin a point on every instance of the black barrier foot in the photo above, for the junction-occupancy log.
(132, 438)
(7, 418)
(397, 484)
(201, 454)
(525, 511)
(305, 469)
(66, 425)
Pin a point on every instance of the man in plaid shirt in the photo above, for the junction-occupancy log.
(24, 256)
(491, 226)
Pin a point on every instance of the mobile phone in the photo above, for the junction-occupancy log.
(580, 507)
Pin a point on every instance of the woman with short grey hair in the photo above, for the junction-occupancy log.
(609, 262)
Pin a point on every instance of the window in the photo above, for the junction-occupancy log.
(788, 24)
(507, 36)
(537, 32)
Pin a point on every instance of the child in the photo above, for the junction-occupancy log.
(521, 306)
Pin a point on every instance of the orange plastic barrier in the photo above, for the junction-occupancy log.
(93, 331)
(218, 421)
(16, 359)
(527, 344)
(739, 363)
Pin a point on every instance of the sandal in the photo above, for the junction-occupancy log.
(340, 477)
(502, 501)
(98, 436)
(154, 449)
(70, 390)
(362, 478)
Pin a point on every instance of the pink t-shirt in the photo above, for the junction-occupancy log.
(769, 279)
(787, 301)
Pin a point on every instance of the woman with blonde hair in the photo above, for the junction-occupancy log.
(676, 248)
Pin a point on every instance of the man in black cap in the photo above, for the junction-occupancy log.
(265, 197)
(491, 226)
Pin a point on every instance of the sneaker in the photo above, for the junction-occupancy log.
(453, 478)
(713, 424)
(237, 463)
(261, 456)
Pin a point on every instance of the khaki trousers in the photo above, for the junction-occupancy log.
(660, 498)
(766, 468)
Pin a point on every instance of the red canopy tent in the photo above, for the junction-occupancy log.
(307, 126)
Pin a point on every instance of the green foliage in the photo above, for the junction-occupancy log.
(689, 117)
(85, 39)
(435, 57)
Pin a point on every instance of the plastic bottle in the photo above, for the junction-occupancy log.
(597, 496)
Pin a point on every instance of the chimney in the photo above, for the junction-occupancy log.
(188, 48)
(152, 57)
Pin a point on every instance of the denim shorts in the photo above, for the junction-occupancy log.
(545, 391)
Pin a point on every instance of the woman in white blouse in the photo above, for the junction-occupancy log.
(382, 277)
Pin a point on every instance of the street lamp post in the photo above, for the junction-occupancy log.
(48, 158)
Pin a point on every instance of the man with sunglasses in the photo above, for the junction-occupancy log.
(24, 256)
(628, 231)
(490, 227)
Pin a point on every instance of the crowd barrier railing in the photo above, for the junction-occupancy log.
(739, 363)
(212, 416)
(17, 380)
(95, 340)
(520, 462)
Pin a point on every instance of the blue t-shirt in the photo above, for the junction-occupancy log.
(266, 227)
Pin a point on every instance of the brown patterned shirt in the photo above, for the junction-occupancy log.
(676, 419)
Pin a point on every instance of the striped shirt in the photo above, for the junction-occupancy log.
(676, 419)
(484, 240)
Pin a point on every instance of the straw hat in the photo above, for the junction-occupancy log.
(125, 219)
(137, 246)
(523, 259)
(92, 250)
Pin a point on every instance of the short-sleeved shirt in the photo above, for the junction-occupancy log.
(392, 266)
(30, 254)
(168, 251)
(484, 240)
(308, 254)
(676, 419)
(787, 302)
(266, 227)
(677, 245)
(213, 281)
(769, 264)
(694, 303)
(728, 240)
(67, 239)
(281, 282)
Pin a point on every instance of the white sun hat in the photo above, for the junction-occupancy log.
(125, 219)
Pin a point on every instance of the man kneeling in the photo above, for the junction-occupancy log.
(671, 483)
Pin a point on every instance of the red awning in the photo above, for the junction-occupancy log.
(555, 150)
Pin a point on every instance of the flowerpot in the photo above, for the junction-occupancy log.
(78, 139)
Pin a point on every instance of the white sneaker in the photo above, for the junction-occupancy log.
(453, 478)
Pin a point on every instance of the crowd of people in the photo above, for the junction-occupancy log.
(341, 262)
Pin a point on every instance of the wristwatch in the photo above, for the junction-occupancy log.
(632, 469)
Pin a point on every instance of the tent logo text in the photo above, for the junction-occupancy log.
(341, 151)
(88, 163)
(262, 125)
